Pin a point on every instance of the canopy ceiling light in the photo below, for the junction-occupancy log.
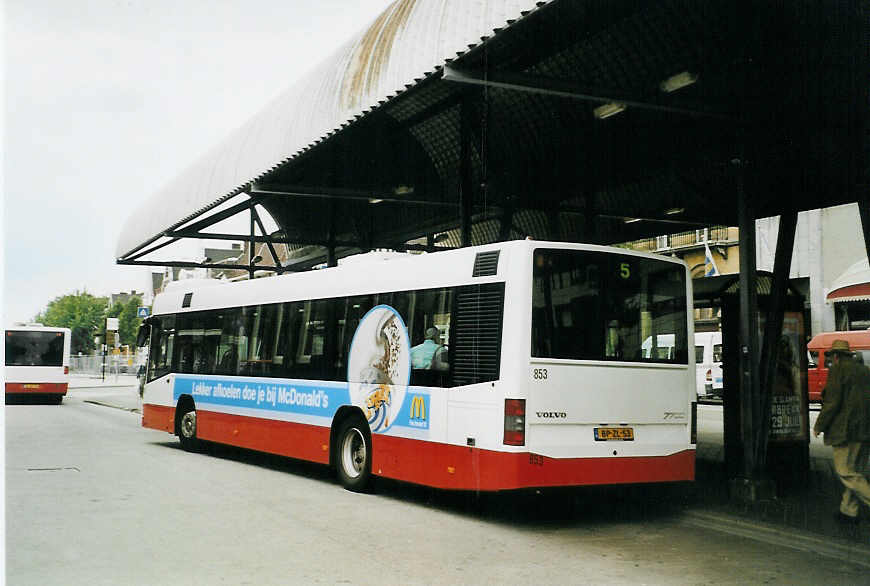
(674, 211)
(608, 110)
(631, 220)
(678, 81)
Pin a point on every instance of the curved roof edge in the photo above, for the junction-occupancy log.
(850, 286)
(409, 41)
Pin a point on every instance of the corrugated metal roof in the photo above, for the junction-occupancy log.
(409, 41)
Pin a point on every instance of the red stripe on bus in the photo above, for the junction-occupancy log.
(294, 440)
(429, 463)
(158, 417)
(36, 388)
(466, 468)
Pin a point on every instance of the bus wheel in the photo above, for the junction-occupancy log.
(354, 455)
(187, 430)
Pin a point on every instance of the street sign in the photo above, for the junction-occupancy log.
(143, 312)
(112, 323)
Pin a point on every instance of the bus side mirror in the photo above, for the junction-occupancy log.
(143, 334)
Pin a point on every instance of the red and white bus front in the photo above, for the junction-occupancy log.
(37, 361)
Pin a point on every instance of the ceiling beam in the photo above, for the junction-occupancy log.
(369, 197)
(218, 217)
(567, 89)
(198, 265)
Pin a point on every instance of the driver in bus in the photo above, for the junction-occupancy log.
(430, 354)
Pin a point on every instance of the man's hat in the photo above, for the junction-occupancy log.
(841, 346)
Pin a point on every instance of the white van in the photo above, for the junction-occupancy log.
(708, 364)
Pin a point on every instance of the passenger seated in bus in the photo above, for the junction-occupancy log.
(430, 354)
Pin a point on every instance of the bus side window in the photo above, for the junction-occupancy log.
(162, 347)
(429, 330)
(228, 350)
(349, 312)
(311, 351)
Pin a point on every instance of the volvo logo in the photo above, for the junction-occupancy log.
(551, 414)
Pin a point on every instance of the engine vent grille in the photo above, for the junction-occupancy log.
(486, 264)
(477, 341)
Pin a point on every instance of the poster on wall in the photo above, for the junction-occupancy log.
(788, 415)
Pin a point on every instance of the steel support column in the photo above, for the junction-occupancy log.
(331, 259)
(772, 331)
(864, 209)
(251, 244)
(466, 182)
(749, 375)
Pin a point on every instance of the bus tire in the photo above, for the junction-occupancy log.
(353, 461)
(187, 428)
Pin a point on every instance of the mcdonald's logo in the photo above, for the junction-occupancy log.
(418, 407)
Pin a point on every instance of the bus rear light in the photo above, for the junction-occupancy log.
(693, 433)
(514, 422)
(66, 369)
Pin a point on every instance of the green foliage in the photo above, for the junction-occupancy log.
(82, 313)
(128, 322)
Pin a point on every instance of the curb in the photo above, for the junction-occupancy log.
(101, 404)
(856, 553)
(100, 387)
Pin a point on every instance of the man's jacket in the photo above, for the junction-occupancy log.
(845, 415)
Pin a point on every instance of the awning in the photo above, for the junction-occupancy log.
(852, 285)
(859, 292)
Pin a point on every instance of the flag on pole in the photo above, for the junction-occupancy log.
(710, 268)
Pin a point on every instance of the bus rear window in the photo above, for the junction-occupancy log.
(590, 305)
(34, 348)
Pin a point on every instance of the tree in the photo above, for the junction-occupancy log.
(82, 313)
(128, 320)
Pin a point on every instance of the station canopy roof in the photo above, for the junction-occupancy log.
(578, 120)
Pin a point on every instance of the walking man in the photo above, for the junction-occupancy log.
(845, 421)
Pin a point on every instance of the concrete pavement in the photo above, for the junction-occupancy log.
(803, 519)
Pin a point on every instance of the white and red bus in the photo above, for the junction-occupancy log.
(37, 361)
(497, 367)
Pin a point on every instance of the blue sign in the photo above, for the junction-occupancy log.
(305, 397)
(143, 312)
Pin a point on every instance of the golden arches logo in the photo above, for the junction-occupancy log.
(418, 407)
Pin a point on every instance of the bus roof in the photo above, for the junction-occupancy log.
(360, 277)
(35, 328)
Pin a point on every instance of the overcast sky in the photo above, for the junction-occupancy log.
(105, 101)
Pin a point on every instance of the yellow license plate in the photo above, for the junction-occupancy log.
(603, 434)
(31, 386)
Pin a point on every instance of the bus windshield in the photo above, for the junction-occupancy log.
(589, 305)
(34, 348)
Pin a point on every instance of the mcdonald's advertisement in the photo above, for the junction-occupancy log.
(379, 369)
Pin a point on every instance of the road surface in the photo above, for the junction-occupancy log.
(93, 498)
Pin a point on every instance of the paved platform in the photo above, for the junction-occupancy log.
(88, 381)
(801, 517)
